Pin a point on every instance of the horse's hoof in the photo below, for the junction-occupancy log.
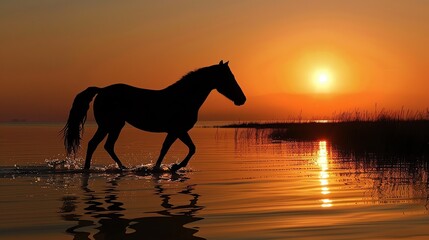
(175, 167)
(156, 169)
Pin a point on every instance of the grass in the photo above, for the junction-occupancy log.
(385, 132)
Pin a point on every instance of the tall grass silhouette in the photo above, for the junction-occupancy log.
(384, 132)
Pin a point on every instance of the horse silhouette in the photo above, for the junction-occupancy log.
(173, 110)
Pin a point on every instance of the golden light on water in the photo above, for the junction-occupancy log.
(322, 161)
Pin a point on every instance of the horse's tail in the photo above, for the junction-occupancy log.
(77, 117)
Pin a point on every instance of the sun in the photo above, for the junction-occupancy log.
(322, 80)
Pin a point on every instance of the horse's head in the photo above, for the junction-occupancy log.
(227, 85)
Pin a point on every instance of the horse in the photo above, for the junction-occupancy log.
(172, 110)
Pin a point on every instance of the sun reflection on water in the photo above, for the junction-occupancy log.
(322, 161)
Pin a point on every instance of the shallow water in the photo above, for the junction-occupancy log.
(239, 185)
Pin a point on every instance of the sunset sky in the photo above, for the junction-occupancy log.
(291, 58)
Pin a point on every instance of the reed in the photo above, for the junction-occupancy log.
(385, 132)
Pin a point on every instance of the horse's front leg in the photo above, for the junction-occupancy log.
(186, 139)
(169, 140)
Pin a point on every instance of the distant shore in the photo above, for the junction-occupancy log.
(382, 135)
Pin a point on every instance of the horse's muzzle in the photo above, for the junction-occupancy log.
(240, 102)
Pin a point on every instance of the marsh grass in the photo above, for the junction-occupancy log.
(386, 132)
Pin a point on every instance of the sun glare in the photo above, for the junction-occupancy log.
(322, 81)
(323, 78)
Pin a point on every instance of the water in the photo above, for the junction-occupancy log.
(239, 185)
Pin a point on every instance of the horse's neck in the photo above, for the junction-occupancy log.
(193, 95)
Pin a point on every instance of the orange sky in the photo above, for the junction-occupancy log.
(373, 53)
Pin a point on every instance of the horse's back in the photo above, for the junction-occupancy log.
(123, 91)
(118, 100)
(146, 109)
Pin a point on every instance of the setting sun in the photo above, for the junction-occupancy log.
(322, 80)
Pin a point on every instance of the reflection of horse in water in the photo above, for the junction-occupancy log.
(112, 223)
(173, 110)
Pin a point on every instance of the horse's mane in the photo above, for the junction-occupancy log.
(189, 78)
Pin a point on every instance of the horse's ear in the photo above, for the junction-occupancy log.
(227, 63)
(221, 62)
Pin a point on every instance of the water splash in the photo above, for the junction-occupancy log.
(64, 164)
(75, 166)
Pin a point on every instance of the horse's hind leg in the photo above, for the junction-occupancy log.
(99, 135)
(110, 144)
